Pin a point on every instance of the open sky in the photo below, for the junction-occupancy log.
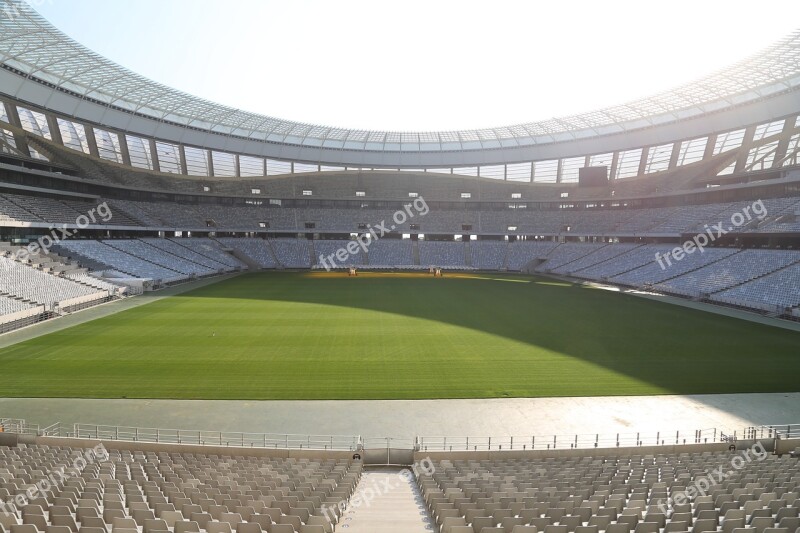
(419, 65)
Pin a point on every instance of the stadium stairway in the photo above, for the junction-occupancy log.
(390, 502)
(467, 254)
(243, 257)
(415, 251)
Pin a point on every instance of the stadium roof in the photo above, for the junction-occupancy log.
(32, 47)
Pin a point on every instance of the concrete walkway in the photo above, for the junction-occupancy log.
(409, 418)
(386, 500)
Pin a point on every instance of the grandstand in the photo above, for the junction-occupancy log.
(157, 247)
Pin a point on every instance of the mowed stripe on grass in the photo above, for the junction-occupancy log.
(308, 336)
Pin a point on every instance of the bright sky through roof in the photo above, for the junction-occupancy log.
(422, 65)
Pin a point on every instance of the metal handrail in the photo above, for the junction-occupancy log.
(217, 438)
(598, 440)
(419, 443)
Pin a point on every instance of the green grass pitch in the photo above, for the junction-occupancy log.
(409, 336)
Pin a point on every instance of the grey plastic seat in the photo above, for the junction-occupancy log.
(218, 527)
(68, 521)
(92, 521)
(24, 528)
(92, 530)
(123, 523)
(248, 527)
(59, 529)
(152, 525)
(186, 526)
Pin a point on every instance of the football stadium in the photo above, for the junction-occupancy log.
(213, 320)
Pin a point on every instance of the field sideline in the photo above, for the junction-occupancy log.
(403, 336)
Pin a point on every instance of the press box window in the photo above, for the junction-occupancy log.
(413, 195)
(307, 192)
(310, 225)
(466, 195)
(360, 194)
(255, 191)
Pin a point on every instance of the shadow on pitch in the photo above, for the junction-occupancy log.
(679, 350)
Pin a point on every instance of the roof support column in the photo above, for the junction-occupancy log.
(55, 131)
(643, 160)
(237, 167)
(783, 143)
(614, 165)
(210, 162)
(710, 144)
(744, 151)
(154, 155)
(91, 140)
(123, 148)
(559, 169)
(182, 155)
(676, 152)
(19, 140)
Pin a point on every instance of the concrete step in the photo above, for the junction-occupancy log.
(386, 500)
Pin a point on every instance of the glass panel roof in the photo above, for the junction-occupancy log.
(32, 46)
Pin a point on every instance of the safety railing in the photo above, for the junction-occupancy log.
(21, 427)
(216, 438)
(578, 441)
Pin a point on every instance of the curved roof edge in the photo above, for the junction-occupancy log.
(34, 48)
